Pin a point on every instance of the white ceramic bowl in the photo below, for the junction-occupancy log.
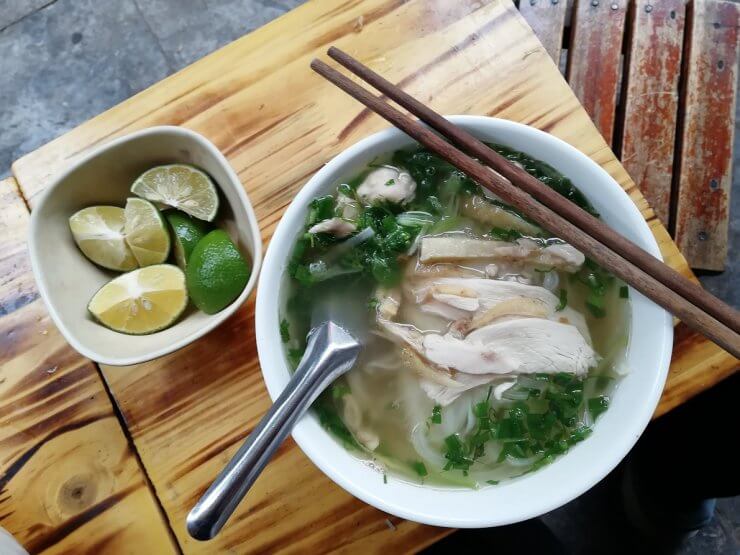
(67, 280)
(588, 462)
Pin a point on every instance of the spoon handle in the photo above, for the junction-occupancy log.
(330, 351)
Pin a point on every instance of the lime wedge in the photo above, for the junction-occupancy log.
(179, 186)
(146, 233)
(186, 232)
(143, 301)
(216, 273)
(99, 233)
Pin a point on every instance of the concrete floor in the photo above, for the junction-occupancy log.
(64, 61)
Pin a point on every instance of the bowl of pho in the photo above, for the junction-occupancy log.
(505, 373)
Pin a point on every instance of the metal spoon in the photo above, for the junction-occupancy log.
(331, 350)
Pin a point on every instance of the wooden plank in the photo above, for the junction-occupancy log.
(188, 412)
(594, 58)
(547, 20)
(69, 481)
(651, 98)
(708, 114)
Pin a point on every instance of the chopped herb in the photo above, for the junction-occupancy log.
(373, 303)
(595, 304)
(503, 234)
(390, 182)
(624, 292)
(597, 405)
(563, 295)
(320, 209)
(339, 390)
(346, 190)
(419, 468)
(284, 330)
(331, 420)
(385, 478)
(437, 414)
(492, 482)
(295, 356)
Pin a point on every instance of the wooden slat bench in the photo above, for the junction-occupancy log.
(658, 77)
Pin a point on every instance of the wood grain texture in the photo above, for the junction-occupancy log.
(651, 98)
(710, 76)
(278, 123)
(547, 20)
(595, 58)
(69, 482)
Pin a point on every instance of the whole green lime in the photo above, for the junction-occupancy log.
(216, 273)
(186, 233)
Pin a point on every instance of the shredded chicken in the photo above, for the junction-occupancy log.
(521, 346)
(387, 184)
(335, 226)
(498, 329)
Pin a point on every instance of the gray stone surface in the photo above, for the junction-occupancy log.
(64, 61)
(12, 11)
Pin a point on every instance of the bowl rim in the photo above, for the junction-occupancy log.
(325, 452)
(211, 323)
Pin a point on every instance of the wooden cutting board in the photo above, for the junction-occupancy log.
(278, 123)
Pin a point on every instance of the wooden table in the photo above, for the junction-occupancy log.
(112, 459)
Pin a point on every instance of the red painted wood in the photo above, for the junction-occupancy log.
(547, 19)
(594, 60)
(710, 67)
(651, 98)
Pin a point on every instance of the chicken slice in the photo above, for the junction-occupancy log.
(521, 346)
(334, 226)
(458, 247)
(387, 184)
(451, 299)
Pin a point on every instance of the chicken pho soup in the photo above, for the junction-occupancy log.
(494, 346)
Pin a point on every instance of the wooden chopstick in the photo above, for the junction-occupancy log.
(570, 211)
(692, 315)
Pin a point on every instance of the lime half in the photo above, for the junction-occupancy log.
(179, 186)
(216, 273)
(143, 301)
(186, 232)
(99, 233)
(146, 233)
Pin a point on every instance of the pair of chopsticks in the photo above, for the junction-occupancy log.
(654, 279)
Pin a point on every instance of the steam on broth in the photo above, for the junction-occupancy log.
(494, 346)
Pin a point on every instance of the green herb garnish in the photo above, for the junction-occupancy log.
(437, 414)
(563, 295)
(419, 468)
(502, 234)
(624, 292)
(284, 330)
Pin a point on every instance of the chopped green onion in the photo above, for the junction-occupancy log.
(437, 414)
(339, 390)
(385, 478)
(373, 303)
(390, 182)
(563, 295)
(415, 218)
(597, 405)
(503, 234)
(284, 330)
(492, 482)
(419, 468)
(624, 292)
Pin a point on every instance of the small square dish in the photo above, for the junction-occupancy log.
(67, 279)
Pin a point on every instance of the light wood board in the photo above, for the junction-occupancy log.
(69, 480)
(278, 123)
